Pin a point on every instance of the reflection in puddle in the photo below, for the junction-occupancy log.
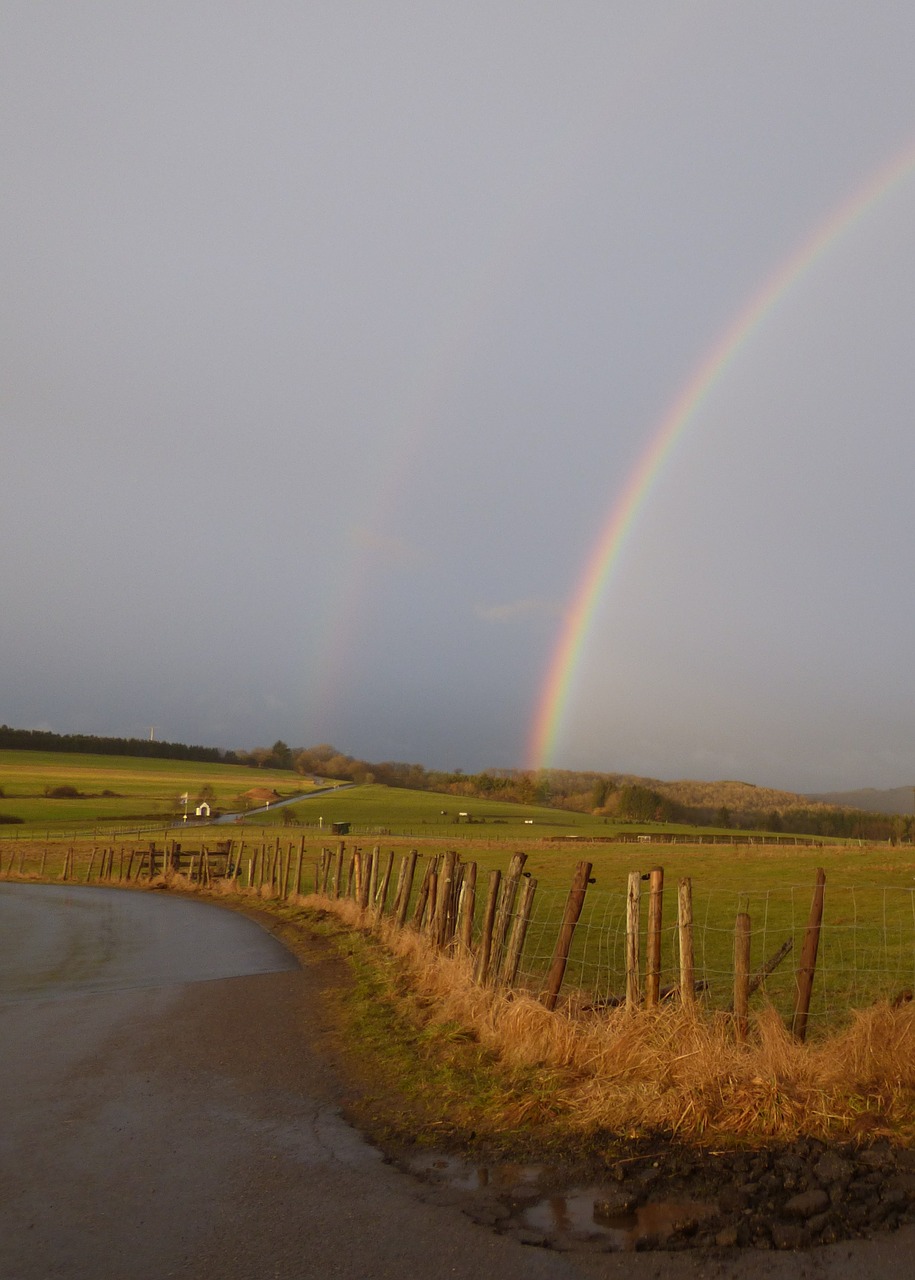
(593, 1214)
(583, 1214)
(464, 1177)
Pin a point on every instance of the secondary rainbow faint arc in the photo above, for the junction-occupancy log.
(606, 552)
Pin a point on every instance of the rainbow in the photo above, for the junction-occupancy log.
(615, 533)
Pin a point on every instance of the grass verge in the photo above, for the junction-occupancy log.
(440, 1060)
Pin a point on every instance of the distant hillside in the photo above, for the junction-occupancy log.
(738, 796)
(899, 800)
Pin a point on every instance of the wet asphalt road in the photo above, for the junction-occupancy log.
(191, 1128)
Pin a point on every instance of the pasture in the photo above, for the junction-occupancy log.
(374, 810)
(117, 790)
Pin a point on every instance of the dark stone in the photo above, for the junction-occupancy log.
(807, 1204)
(875, 1158)
(789, 1235)
(726, 1237)
(894, 1196)
(733, 1200)
(858, 1215)
(818, 1223)
(613, 1204)
(831, 1170)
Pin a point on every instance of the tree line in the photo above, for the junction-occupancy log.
(90, 744)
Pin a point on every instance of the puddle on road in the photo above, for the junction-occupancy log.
(592, 1215)
(581, 1215)
(457, 1173)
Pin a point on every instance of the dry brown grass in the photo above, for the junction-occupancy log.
(672, 1070)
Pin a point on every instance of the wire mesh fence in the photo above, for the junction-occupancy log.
(866, 946)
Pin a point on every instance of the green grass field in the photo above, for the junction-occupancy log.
(142, 790)
(378, 810)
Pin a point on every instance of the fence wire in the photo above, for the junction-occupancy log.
(866, 946)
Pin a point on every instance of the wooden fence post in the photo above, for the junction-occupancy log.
(338, 870)
(443, 899)
(574, 904)
(300, 854)
(402, 905)
(272, 873)
(373, 876)
(506, 907)
(742, 975)
(467, 905)
(685, 929)
(518, 933)
(484, 954)
(808, 964)
(381, 895)
(653, 947)
(633, 934)
(423, 897)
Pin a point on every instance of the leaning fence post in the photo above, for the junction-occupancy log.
(484, 954)
(338, 870)
(742, 975)
(374, 867)
(807, 968)
(574, 904)
(518, 933)
(653, 949)
(466, 905)
(506, 907)
(300, 854)
(685, 929)
(405, 887)
(381, 896)
(633, 932)
(423, 897)
(439, 918)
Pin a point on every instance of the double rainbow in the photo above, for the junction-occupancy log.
(615, 533)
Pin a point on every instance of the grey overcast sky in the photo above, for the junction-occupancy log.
(333, 332)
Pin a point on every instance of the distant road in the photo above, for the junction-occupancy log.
(281, 804)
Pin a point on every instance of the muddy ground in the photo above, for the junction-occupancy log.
(663, 1197)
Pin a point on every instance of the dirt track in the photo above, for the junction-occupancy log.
(194, 1130)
